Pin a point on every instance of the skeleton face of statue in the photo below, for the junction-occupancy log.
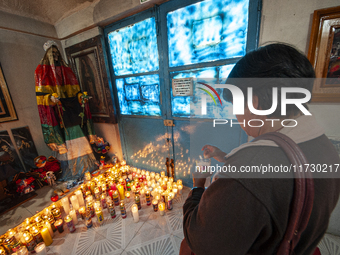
(55, 53)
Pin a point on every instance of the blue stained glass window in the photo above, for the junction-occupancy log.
(132, 92)
(207, 31)
(150, 92)
(134, 48)
(139, 95)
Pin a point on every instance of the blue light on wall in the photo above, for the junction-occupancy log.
(190, 106)
(139, 95)
(224, 72)
(182, 106)
(207, 31)
(134, 48)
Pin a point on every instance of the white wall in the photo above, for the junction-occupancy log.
(290, 21)
(20, 53)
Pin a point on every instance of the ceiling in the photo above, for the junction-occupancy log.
(49, 11)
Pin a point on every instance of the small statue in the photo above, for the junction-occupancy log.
(50, 178)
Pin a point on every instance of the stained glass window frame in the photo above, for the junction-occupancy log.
(160, 13)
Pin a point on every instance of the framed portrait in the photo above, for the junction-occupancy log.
(87, 61)
(7, 110)
(324, 54)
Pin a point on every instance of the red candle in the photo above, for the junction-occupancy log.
(110, 193)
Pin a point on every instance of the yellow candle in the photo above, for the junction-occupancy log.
(92, 187)
(161, 208)
(48, 225)
(46, 236)
(121, 191)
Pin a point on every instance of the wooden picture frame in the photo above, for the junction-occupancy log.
(87, 61)
(324, 54)
(7, 110)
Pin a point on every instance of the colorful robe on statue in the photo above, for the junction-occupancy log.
(65, 122)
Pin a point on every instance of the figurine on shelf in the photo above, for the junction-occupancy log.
(100, 148)
(50, 178)
(102, 162)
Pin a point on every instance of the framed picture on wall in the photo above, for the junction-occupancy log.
(324, 54)
(7, 110)
(87, 61)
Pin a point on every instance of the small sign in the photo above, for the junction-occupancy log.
(144, 1)
(182, 87)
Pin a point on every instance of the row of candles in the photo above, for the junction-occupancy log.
(116, 187)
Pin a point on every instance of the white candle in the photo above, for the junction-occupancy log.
(180, 187)
(175, 191)
(66, 204)
(80, 198)
(49, 228)
(73, 214)
(40, 249)
(75, 202)
(134, 210)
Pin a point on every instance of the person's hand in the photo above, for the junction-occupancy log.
(199, 182)
(55, 99)
(86, 99)
(210, 151)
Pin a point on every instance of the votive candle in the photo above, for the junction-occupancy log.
(75, 202)
(40, 249)
(134, 210)
(46, 236)
(49, 228)
(66, 205)
(73, 214)
(180, 187)
(155, 205)
(161, 207)
(59, 225)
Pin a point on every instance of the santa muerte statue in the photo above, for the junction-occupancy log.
(64, 114)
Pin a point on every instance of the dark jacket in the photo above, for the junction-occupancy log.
(249, 216)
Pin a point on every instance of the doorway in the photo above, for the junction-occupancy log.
(199, 40)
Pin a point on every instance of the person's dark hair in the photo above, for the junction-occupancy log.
(278, 61)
